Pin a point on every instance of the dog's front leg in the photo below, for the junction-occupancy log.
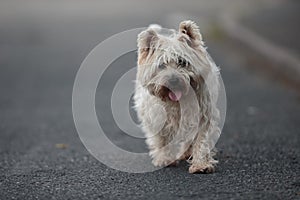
(160, 151)
(202, 161)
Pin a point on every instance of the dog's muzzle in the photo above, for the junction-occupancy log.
(176, 88)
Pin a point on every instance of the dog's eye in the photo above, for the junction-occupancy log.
(161, 66)
(182, 62)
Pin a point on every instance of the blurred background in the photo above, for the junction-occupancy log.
(42, 44)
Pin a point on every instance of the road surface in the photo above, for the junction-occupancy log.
(41, 155)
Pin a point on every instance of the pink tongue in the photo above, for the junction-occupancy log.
(175, 96)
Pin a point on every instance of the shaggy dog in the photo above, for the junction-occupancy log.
(175, 96)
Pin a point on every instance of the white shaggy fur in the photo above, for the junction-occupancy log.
(182, 128)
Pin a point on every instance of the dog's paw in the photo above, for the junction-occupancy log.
(185, 156)
(173, 164)
(163, 162)
(201, 168)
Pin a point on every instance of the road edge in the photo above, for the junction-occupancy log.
(278, 55)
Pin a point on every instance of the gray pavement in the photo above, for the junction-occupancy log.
(279, 25)
(41, 49)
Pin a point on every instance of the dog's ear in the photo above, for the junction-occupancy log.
(191, 30)
(146, 39)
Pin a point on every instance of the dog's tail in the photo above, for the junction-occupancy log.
(155, 27)
(162, 31)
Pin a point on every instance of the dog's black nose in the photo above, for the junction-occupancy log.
(174, 81)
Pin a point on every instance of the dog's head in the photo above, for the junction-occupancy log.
(170, 64)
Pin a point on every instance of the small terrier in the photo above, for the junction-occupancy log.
(176, 96)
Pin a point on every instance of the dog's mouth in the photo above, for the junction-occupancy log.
(175, 95)
(165, 93)
(193, 83)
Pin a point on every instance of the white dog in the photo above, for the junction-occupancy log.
(175, 96)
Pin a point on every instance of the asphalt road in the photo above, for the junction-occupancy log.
(278, 24)
(40, 54)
